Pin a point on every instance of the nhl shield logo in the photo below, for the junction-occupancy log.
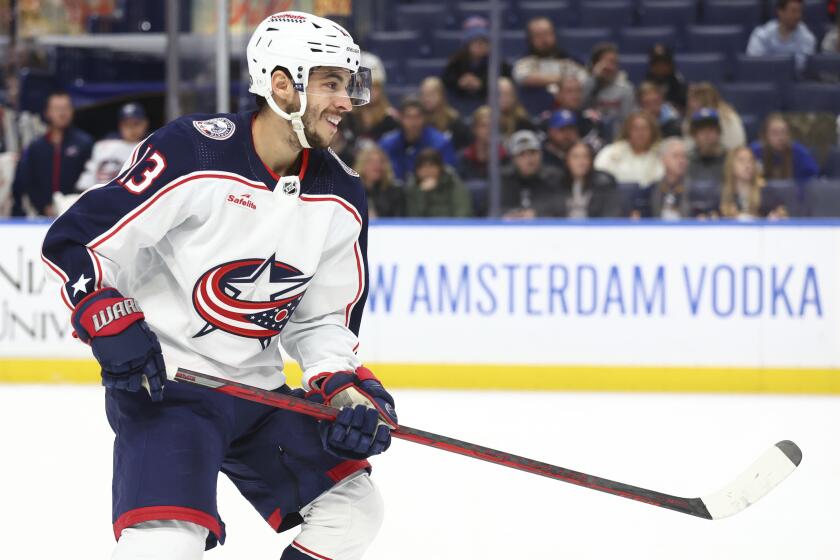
(290, 185)
(219, 128)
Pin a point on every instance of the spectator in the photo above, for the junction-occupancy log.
(474, 160)
(785, 35)
(20, 128)
(586, 192)
(652, 101)
(109, 154)
(51, 164)
(781, 157)
(440, 115)
(529, 188)
(607, 89)
(465, 74)
(663, 72)
(385, 195)
(562, 135)
(435, 191)
(633, 158)
(413, 135)
(706, 158)
(569, 96)
(741, 196)
(704, 94)
(513, 115)
(830, 43)
(669, 197)
(377, 118)
(545, 64)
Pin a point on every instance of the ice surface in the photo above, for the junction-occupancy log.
(55, 478)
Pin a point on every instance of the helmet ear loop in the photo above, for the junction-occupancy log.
(294, 118)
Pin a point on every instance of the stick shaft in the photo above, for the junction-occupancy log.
(690, 506)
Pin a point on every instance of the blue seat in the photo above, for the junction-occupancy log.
(704, 197)
(725, 38)
(418, 69)
(822, 198)
(752, 126)
(824, 67)
(679, 13)
(35, 87)
(815, 14)
(614, 14)
(423, 17)
(733, 12)
(394, 44)
(783, 193)
(641, 39)
(831, 165)
(444, 42)
(561, 13)
(773, 68)
(701, 67)
(514, 44)
(816, 97)
(759, 99)
(579, 41)
(635, 65)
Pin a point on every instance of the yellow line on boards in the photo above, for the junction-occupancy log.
(513, 377)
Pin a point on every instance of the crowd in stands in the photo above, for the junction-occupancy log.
(594, 144)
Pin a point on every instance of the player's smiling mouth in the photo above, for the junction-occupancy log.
(333, 121)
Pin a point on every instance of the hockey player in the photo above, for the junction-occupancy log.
(223, 238)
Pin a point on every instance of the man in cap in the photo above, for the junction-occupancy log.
(530, 189)
(110, 153)
(706, 159)
(562, 127)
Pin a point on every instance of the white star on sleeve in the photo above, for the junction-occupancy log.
(80, 285)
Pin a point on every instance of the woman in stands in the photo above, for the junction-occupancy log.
(465, 74)
(513, 115)
(386, 198)
(704, 94)
(588, 193)
(781, 157)
(742, 194)
(474, 160)
(440, 114)
(633, 157)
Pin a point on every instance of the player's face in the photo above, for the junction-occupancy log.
(133, 130)
(326, 102)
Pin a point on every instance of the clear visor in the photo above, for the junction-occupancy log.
(340, 83)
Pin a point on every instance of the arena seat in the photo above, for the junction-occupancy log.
(635, 65)
(774, 68)
(816, 97)
(822, 198)
(394, 44)
(614, 14)
(417, 69)
(535, 99)
(824, 67)
(748, 13)
(444, 42)
(814, 15)
(725, 38)
(579, 41)
(831, 165)
(759, 99)
(560, 13)
(679, 13)
(514, 44)
(641, 39)
(783, 193)
(422, 17)
(701, 67)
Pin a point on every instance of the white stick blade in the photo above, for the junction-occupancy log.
(762, 476)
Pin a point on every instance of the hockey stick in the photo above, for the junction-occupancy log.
(763, 475)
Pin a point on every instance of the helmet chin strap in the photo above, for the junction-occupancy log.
(295, 118)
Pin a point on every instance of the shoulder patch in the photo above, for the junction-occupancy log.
(219, 128)
(344, 166)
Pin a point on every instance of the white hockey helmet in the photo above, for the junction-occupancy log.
(300, 42)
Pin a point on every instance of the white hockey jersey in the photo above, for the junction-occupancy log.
(227, 260)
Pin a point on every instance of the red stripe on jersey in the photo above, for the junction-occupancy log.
(275, 519)
(345, 469)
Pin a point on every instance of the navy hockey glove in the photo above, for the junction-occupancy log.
(122, 342)
(367, 415)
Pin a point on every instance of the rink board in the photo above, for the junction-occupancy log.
(609, 305)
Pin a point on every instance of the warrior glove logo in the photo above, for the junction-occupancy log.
(251, 298)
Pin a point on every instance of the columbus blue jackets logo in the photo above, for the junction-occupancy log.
(251, 298)
(219, 128)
